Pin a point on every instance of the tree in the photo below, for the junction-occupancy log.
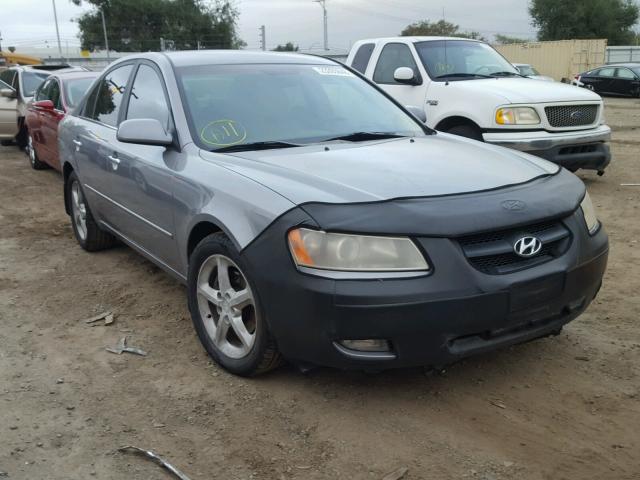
(441, 28)
(507, 40)
(287, 47)
(138, 25)
(584, 19)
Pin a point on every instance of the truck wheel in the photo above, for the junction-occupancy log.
(226, 310)
(468, 131)
(86, 230)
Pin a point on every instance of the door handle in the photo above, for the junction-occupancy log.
(115, 162)
(77, 143)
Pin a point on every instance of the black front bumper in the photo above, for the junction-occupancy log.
(433, 320)
(591, 156)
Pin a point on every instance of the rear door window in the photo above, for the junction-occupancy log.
(147, 99)
(393, 56)
(104, 103)
(625, 74)
(362, 57)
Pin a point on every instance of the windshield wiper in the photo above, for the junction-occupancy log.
(364, 136)
(506, 74)
(243, 147)
(464, 75)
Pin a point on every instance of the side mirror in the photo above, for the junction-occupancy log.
(44, 104)
(7, 93)
(144, 131)
(405, 75)
(417, 112)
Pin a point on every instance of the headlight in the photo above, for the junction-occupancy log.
(517, 116)
(589, 213)
(355, 253)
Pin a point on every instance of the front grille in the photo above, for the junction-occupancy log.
(492, 252)
(571, 115)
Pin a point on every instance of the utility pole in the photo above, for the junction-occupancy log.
(326, 30)
(104, 31)
(0, 41)
(55, 17)
(263, 38)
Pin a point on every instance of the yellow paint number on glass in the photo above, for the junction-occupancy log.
(223, 133)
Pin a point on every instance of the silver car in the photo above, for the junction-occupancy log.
(17, 86)
(315, 219)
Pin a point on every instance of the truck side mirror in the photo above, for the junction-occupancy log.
(406, 76)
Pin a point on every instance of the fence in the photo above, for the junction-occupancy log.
(558, 59)
(622, 54)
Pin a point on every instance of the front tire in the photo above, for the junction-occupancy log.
(85, 228)
(226, 310)
(36, 164)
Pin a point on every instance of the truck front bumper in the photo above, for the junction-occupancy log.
(573, 150)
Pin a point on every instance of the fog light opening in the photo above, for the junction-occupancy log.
(368, 345)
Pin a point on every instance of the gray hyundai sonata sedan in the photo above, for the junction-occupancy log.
(315, 219)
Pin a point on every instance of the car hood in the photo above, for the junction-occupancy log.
(523, 90)
(433, 165)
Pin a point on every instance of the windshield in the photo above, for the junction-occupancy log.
(636, 70)
(75, 89)
(241, 104)
(527, 70)
(462, 60)
(31, 81)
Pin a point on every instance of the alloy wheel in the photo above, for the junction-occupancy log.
(31, 151)
(79, 210)
(227, 306)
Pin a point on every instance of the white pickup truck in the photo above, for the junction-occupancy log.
(467, 88)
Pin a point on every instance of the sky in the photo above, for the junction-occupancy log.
(30, 23)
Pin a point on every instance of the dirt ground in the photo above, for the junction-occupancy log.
(559, 408)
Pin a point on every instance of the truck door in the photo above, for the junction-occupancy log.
(392, 57)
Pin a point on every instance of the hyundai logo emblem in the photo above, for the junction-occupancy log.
(513, 205)
(577, 115)
(527, 247)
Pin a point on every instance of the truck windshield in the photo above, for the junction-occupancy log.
(462, 60)
(234, 105)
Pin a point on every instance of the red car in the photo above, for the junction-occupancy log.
(58, 94)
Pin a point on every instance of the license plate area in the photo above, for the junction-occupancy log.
(536, 295)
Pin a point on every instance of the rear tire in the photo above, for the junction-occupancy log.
(226, 310)
(86, 230)
(467, 131)
(36, 164)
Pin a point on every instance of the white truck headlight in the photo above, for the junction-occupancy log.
(354, 253)
(517, 116)
(589, 213)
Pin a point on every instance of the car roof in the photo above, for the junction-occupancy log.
(629, 65)
(74, 74)
(237, 57)
(414, 39)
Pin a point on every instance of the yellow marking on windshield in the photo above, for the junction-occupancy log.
(223, 133)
